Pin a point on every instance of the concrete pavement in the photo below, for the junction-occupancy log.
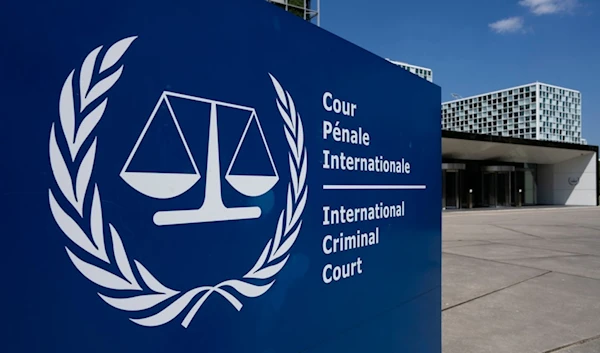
(521, 280)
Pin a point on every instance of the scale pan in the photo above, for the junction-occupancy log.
(160, 185)
(252, 185)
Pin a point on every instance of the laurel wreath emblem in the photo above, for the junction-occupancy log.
(84, 225)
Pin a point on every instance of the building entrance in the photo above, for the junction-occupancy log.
(497, 186)
(451, 185)
(451, 197)
(477, 184)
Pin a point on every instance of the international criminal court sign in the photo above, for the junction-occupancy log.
(213, 177)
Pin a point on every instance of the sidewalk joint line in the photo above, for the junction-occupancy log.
(496, 291)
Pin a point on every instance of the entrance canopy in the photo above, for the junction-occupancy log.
(493, 171)
(476, 147)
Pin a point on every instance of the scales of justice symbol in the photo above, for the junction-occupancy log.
(160, 185)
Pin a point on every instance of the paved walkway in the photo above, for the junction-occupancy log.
(521, 281)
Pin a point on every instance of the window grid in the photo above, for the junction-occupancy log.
(512, 113)
(424, 73)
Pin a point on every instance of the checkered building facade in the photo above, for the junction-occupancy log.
(535, 111)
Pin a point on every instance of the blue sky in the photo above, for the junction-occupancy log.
(476, 46)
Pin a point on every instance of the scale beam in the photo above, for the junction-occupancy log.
(169, 185)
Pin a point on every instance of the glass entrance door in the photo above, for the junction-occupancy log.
(497, 188)
(489, 190)
(503, 187)
(452, 181)
(451, 189)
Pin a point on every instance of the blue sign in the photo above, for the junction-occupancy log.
(212, 177)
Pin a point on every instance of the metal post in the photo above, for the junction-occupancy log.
(457, 189)
(319, 13)
(495, 189)
(443, 189)
(482, 189)
(520, 197)
(305, 14)
(509, 191)
(470, 198)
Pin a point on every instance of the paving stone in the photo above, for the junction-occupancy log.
(503, 252)
(585, 265)
(538, 315)
(465, 279)
(497, 294)
(587, 347)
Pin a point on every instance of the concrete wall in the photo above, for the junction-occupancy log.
(572, 182)
(545, 184)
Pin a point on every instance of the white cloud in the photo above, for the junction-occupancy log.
(508, 25)
(547, 7)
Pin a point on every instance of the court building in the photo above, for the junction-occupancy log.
(515, 147)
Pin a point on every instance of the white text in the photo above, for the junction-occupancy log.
(333, 273)
(338, 106)
(355, 137)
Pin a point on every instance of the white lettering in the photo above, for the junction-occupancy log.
(327, 129)
(362, 214)
(326, 159)
(338, 106)
(337, 132)
(337, 273)
(345, 135)
(326, 215)
(378, 164)
(327, 249)
(326, 96)
(347, 242)
(327, 279)
(333, 273)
